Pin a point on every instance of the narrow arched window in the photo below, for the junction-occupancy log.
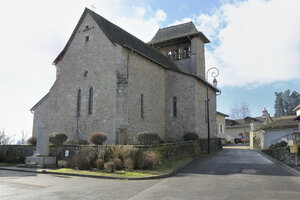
(174, 107)
(91, 101)
(142, 106)
(78, 103)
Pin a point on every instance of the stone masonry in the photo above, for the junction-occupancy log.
(133, 86)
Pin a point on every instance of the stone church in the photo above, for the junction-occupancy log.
(110, 81)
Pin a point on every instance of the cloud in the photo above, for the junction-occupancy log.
(184, 20)
(253, 42)
(35, 34)
(161, 15)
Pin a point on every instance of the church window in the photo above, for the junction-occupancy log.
(221, 128)
(174, 102)
(87, 38)
(91, 101)
(85, 73)
(78, 103)
(142, 106)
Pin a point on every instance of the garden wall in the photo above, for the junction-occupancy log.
(165, 151)
(283, 154)
(15, 153)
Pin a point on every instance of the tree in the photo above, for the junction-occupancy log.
(285, 102)
(240, 111)
(23, 138)
(4, 139)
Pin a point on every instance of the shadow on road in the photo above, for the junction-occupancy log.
(234, 159)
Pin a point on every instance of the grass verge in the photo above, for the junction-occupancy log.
(6, 164)
(162, 169)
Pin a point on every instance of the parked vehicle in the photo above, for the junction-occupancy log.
(241, 139)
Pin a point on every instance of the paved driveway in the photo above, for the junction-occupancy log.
(234, 173)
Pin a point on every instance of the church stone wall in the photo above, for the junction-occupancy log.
(98, 56)
(183, 88)
(201, 122)
(147, 78)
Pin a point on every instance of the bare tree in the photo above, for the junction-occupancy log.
(4, 139)
(23, 138)
(240, 111)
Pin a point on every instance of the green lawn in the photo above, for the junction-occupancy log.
(6, 164)
(162, 169)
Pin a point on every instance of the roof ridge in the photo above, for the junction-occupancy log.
(115, 25)
(191, 22)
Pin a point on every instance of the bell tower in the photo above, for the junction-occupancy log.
(184, 45)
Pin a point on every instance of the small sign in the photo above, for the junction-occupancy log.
(67, 153)
(294, 148)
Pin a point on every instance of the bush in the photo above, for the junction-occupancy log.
(111, 152)
(83, 163)
(97, 138)
(57, 138)
(81, 156)
(128, 164)
(99, 163)
(32, 140)
(128, 152)
(147, 160)
(109, 166)
(278, 145)
(190, 136)
(118, 163)
(147, 138)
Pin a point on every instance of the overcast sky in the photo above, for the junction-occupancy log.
(254, 43)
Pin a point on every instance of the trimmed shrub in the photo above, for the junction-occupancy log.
(147, 160)
(128, 152)
(97, 138)
(147, 138)
(57, 138)
(109, 166)
(83, 163)
(99, 163)
(118, 163)
(32, 140)
(190, 136)
(128, 164)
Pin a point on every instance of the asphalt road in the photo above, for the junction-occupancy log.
(234, 173)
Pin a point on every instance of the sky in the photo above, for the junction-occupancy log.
(255, 44)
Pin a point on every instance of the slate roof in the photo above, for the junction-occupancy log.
(177, 31)
(230, 123)
(40, 102)
(117, 35)
(222, 114)
(125, 39)
(280, 123)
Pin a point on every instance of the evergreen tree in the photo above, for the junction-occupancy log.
(285, 102)
(279, 111)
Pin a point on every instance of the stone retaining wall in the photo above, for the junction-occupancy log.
(165, 152)
(15, 153)
(284, 155)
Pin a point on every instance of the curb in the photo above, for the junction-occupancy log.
(166, 175)
(282, 165)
